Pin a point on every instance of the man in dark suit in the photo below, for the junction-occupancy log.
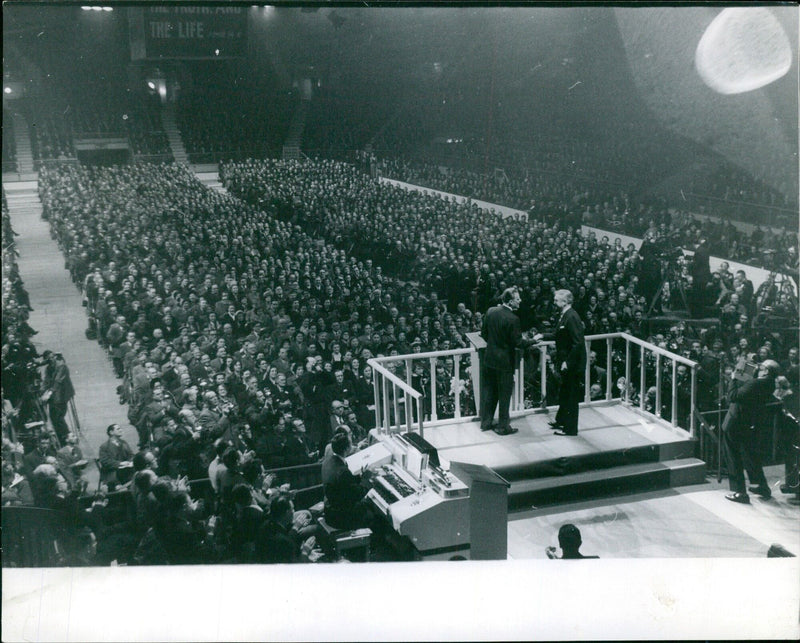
(345, 505)
(40, 455)
(570, 361)
(701, 275)
(116, 466)
(501, 330)
(746, 415)
(62, 392)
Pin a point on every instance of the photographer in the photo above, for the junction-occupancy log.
(740, 428)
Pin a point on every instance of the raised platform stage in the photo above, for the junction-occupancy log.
(617, 451)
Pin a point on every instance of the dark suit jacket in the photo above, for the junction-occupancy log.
(343, 490)
(62, 385)
(749, 404)
(501, 330)
(110, 455)
(700, 270)
(570, 347)
(276, 544)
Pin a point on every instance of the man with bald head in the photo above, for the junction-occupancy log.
(747, 415)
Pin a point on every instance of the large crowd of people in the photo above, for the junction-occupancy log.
(42, 464)
(240, 327)
(551, 195)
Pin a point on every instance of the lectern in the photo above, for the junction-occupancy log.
(488, 510)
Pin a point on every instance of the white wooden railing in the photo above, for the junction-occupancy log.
(399, 405)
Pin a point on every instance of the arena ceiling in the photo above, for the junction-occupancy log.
(603, 71)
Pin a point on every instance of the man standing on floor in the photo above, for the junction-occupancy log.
(746, 416)
(62, 392)
(570, 360)
(501, 330)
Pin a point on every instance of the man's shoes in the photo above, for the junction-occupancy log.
(506, 431)
(764, 492)
(562, 432)
(487, 428)
(554, 425)
(741, 498)
(788, 489)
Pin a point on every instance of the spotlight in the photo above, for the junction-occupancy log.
(8, 90)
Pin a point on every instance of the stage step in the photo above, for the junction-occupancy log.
(599, 483)
(598, 460)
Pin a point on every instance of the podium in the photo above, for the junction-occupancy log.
(488, 510)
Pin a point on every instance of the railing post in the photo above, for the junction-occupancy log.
(543, 373)
(674, 393)
(396, 406)
(627, 370)
(457, 385)
(693, 400)
(408, 375)
(658, 385)
(609, 364)
(521, 384)
(434, 416)
(587, 380)
(376, 390)
(419, 415)
(642, 382)
(386, 423)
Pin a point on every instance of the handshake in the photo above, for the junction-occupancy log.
(533, 337)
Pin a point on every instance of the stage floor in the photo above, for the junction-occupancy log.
(607, 427)
(685, 522)
(693, 521)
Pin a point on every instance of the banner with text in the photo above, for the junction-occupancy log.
(160, 32)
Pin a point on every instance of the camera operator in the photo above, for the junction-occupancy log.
(740, 428)
(701, 275)
(22, 381)
(650, 269)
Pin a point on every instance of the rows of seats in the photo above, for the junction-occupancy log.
(248, 322)
(613, 209)
(434, 240)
